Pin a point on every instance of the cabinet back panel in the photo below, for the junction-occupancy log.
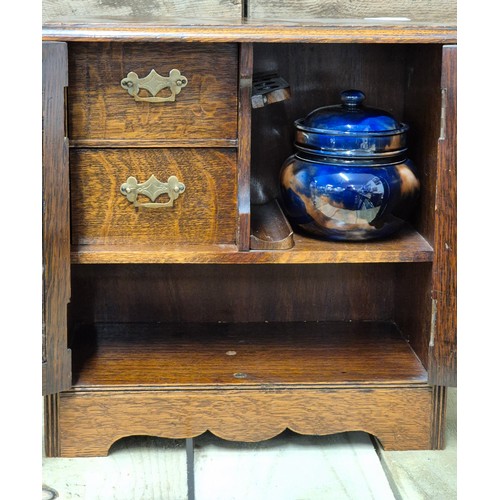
(243, 293)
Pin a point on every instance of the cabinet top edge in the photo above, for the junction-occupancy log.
(383, 30)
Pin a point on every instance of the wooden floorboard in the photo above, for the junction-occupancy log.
(341, 466)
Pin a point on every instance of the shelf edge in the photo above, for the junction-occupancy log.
(257, 387)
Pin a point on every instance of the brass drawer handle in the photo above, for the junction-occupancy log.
(152, 188)
(153, 83)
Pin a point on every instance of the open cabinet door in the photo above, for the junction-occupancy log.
(56, 357)
(443, 342)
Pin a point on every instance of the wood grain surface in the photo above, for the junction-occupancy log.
(346, 337)
(443, 343)
(56, 9)
(244, 143)
(162, 142)
(415, 10)
(439, 406)
(422, 112)
(406, 246)
(270, 229)
(90, 422)
(206, 213)
(51, 424)
(216, 30)
(245, 355)
(413, 307)
(232, 294)
(99, 108)
(56, 359)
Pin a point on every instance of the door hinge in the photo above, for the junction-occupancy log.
(66, 112)
(442, 128)
(433, 322)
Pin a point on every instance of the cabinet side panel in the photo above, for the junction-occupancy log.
(56, 360)
(413, 285)
(422, 113)
(443, 346)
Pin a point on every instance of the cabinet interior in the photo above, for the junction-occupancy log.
(402, 79)
(318, 311)
(203, 307)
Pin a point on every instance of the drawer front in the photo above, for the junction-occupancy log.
(204, 213)
(101, 107)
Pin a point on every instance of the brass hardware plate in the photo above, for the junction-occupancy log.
(152, 188)
(154, 83)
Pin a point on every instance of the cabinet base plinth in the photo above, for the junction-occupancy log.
(89, 422)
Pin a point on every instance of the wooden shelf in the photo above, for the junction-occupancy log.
(406, 246)
(253, 30)
(244, 355)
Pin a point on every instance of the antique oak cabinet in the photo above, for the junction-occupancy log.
(176, 298)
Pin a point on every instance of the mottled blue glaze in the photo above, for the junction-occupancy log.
(349, 179)
(347, 202)
(350, 116)
(350, 146)
(350, 129)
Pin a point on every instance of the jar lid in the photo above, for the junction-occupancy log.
(351, 129)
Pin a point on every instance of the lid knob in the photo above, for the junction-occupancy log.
(352, 98)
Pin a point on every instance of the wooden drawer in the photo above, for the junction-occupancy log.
(205, 213)
(101, 109)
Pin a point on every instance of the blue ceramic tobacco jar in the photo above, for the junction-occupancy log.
(349, 178)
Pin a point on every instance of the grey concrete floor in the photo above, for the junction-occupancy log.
(288, 467)
(422, 475)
